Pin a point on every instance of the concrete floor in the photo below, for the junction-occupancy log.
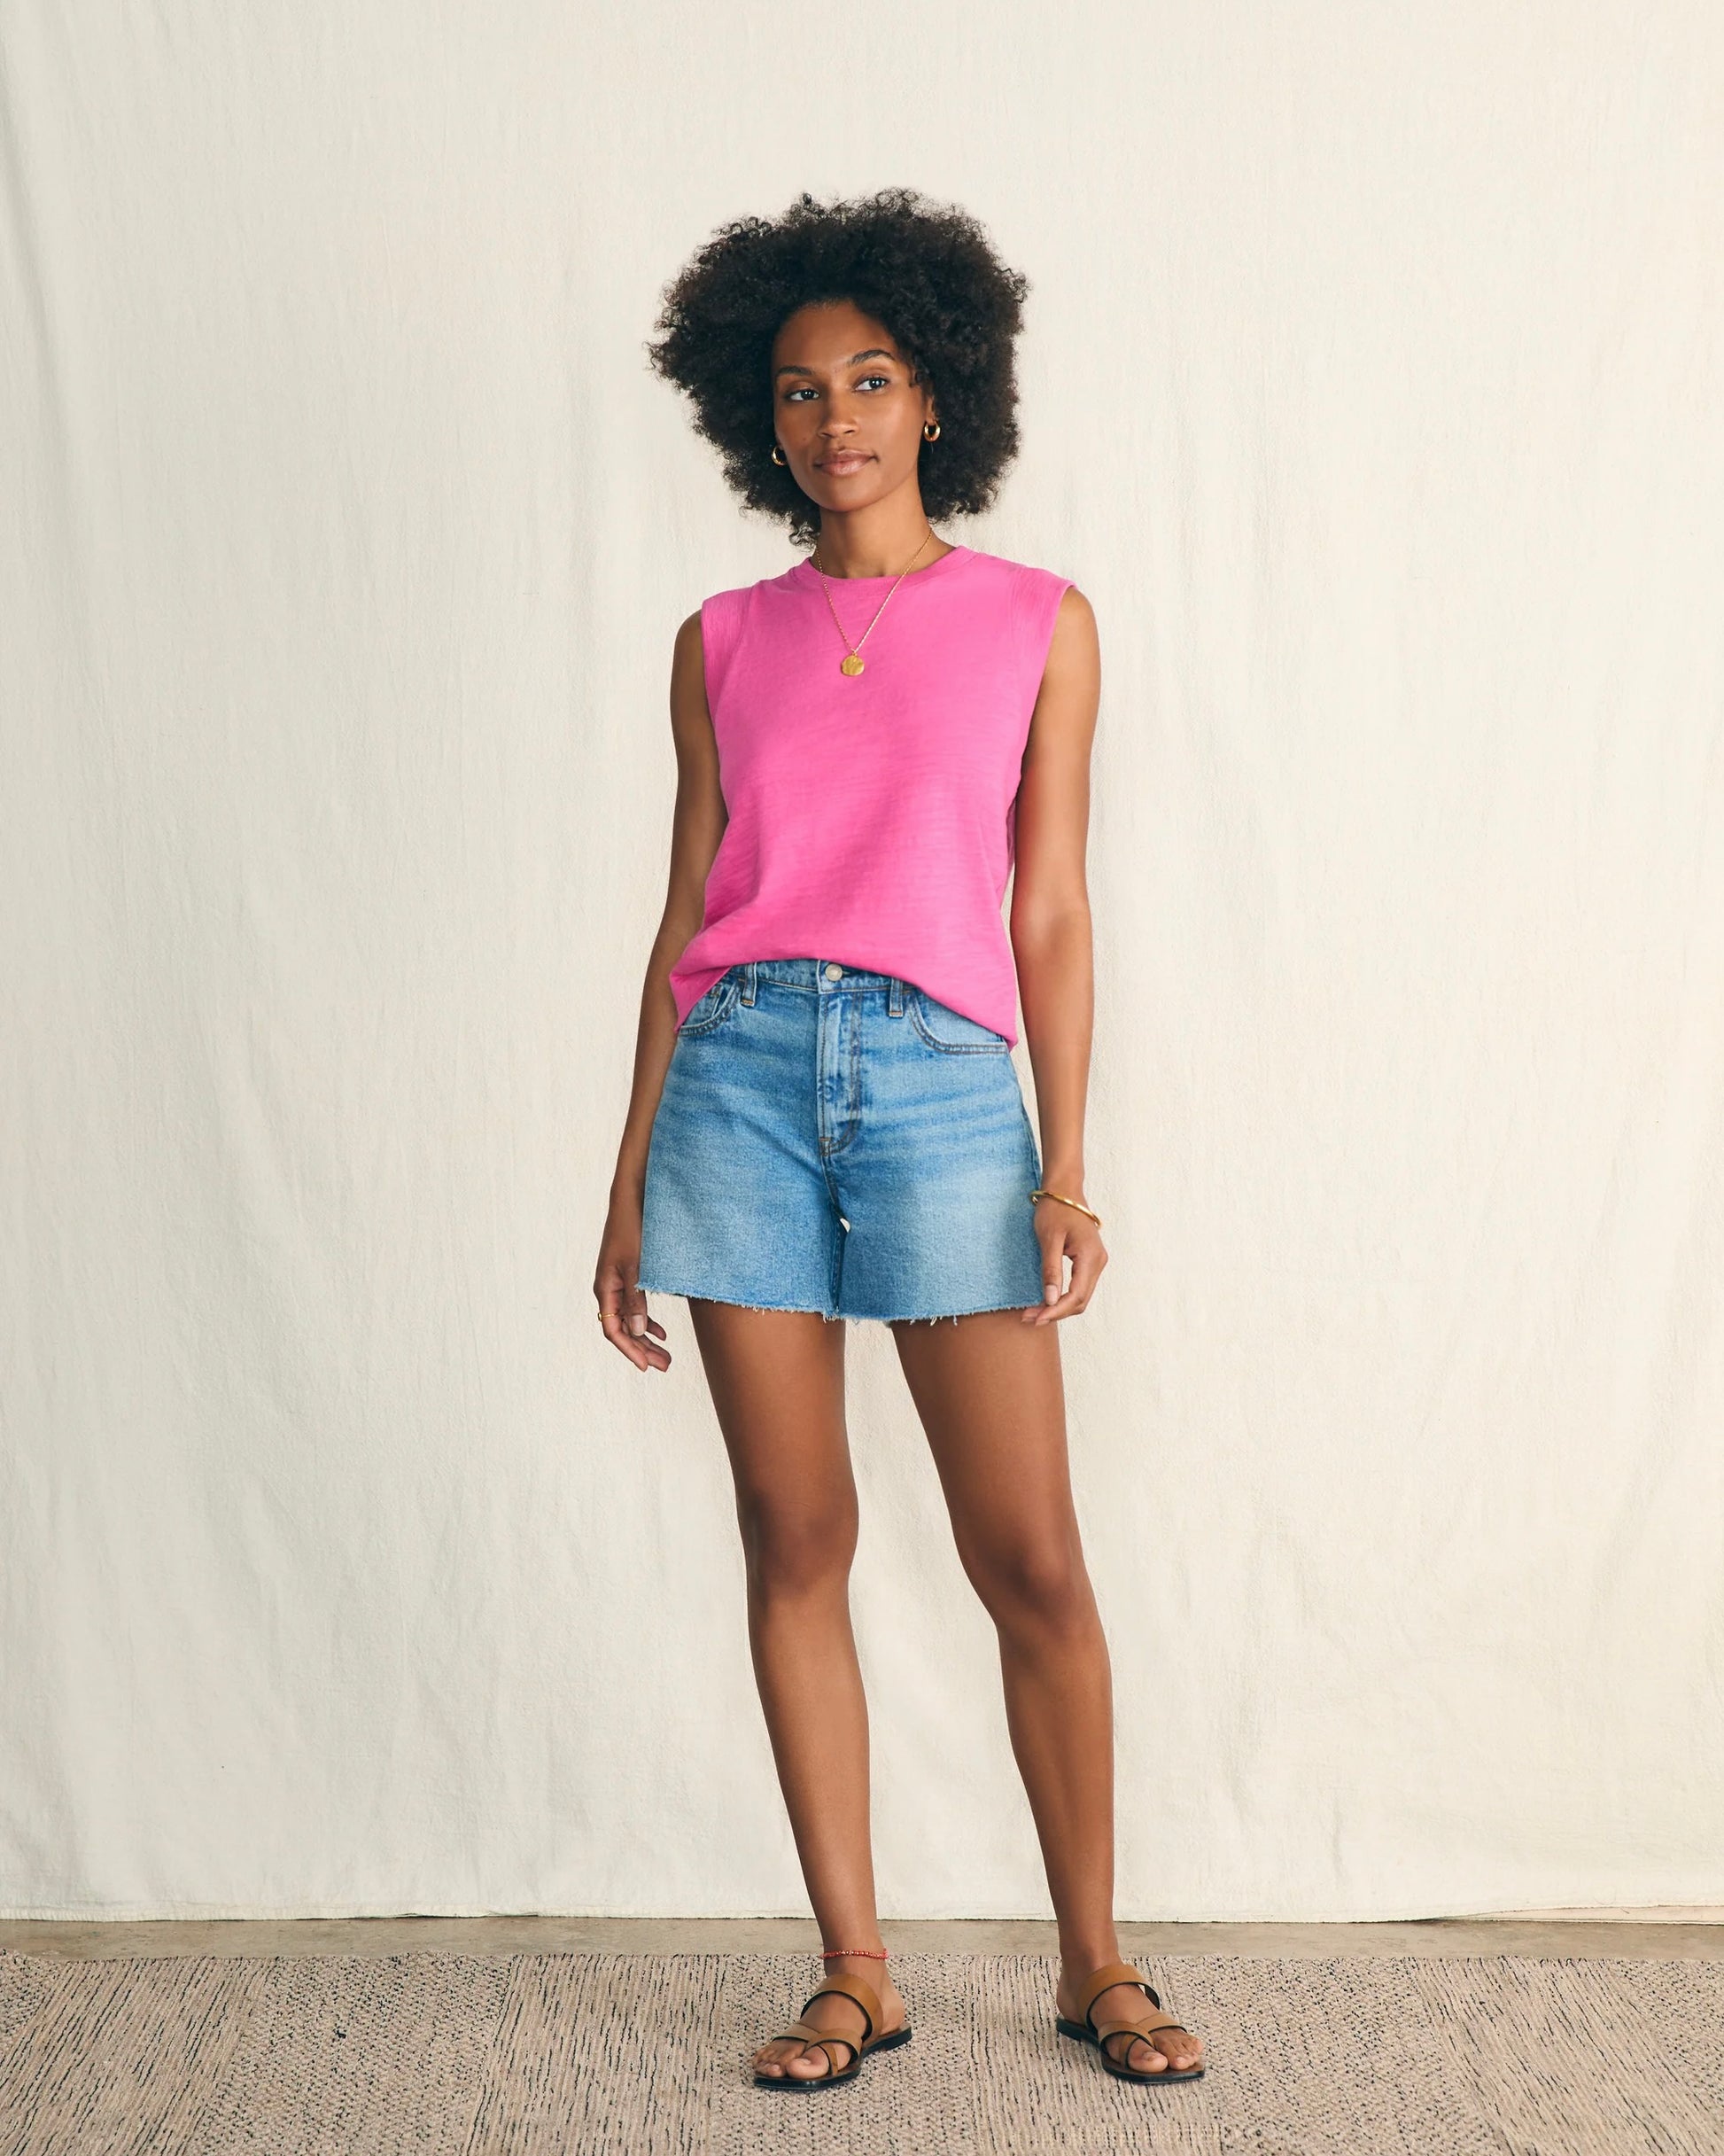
(1672, 1936)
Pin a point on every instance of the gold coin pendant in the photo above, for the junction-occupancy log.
(850, 663)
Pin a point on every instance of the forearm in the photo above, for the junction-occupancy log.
(654, 1042)
(1056, 986)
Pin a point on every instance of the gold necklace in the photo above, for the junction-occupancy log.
(851, 661)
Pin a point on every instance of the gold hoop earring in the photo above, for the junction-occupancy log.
(935, 435)
(777, 459)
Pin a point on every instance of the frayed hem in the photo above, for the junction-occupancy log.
(834, 1317)
(699, 1294)
(950, 1317)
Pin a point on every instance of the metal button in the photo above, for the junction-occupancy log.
(835, 973)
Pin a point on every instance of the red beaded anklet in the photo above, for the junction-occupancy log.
(873, 1954)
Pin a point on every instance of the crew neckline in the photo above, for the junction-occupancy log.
(960, 554)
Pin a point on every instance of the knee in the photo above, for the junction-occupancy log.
(793, 1549)
(1037, 1585)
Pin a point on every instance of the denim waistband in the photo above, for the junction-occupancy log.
(819, 977)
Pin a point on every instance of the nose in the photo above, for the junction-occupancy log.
(840, 413)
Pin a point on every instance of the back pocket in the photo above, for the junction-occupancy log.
(950, 1032)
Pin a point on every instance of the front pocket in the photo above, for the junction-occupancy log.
(950, 1032)
(714, 1006)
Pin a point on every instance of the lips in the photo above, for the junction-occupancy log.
(841, 460)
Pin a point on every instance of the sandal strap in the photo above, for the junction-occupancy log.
(1105, 2029)
(857, 1988)
(1097, 1981)
(805, 2032)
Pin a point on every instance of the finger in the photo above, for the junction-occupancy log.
(1053, 1274)
(637, 1317)
(613, 1301)
(615, 1294)
(1088, 1259)
(617, 1334)
(644, 1339)
(643, 1352)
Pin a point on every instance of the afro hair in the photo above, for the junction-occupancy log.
(926, 270)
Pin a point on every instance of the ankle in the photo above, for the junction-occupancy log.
(873, 1967)
(1078, 1958)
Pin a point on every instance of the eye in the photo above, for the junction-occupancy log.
(800, 391)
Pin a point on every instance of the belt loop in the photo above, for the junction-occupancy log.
(895, 999)
(750, 971)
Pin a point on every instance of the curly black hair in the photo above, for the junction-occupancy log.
(926, 270)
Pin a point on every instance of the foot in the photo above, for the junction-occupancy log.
(842, 2017)
(1167, 2048)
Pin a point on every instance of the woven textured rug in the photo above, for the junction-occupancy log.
(576, 2054)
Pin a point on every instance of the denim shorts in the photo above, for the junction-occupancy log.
(836, 1141)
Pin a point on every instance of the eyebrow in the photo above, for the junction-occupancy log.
(873, 352)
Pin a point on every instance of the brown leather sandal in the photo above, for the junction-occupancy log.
(1086, 2031)
(803, 2031)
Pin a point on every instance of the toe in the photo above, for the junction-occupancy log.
(1144, 2057)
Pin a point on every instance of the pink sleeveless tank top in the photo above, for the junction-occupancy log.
(872, 817)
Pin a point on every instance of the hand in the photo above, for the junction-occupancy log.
(622, 1305)
(1063, 1231)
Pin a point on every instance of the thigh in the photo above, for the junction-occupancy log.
(776, 1381)
(990, 1395)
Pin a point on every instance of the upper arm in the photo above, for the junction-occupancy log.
(1053, 795)
(700, 816)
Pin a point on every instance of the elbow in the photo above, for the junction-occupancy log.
(1043, 922)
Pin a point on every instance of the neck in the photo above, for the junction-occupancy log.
(880, 540)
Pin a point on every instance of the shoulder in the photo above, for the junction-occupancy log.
(709, 640)
(1039, 592)
(724, 615)
(1052, 622)
(1076, 617)
(688, 664)
(736, 598)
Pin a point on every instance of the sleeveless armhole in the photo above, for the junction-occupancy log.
(1040, 594)
(718, 642)
(1036, 599)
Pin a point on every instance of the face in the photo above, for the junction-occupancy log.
(846, 410)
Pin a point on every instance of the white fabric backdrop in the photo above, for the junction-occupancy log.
(1372, 392)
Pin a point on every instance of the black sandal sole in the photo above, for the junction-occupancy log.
(807, 2083)
(1079, 2033)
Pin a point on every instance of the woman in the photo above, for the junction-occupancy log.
(826, 1121)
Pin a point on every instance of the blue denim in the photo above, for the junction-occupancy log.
(837, 1140)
